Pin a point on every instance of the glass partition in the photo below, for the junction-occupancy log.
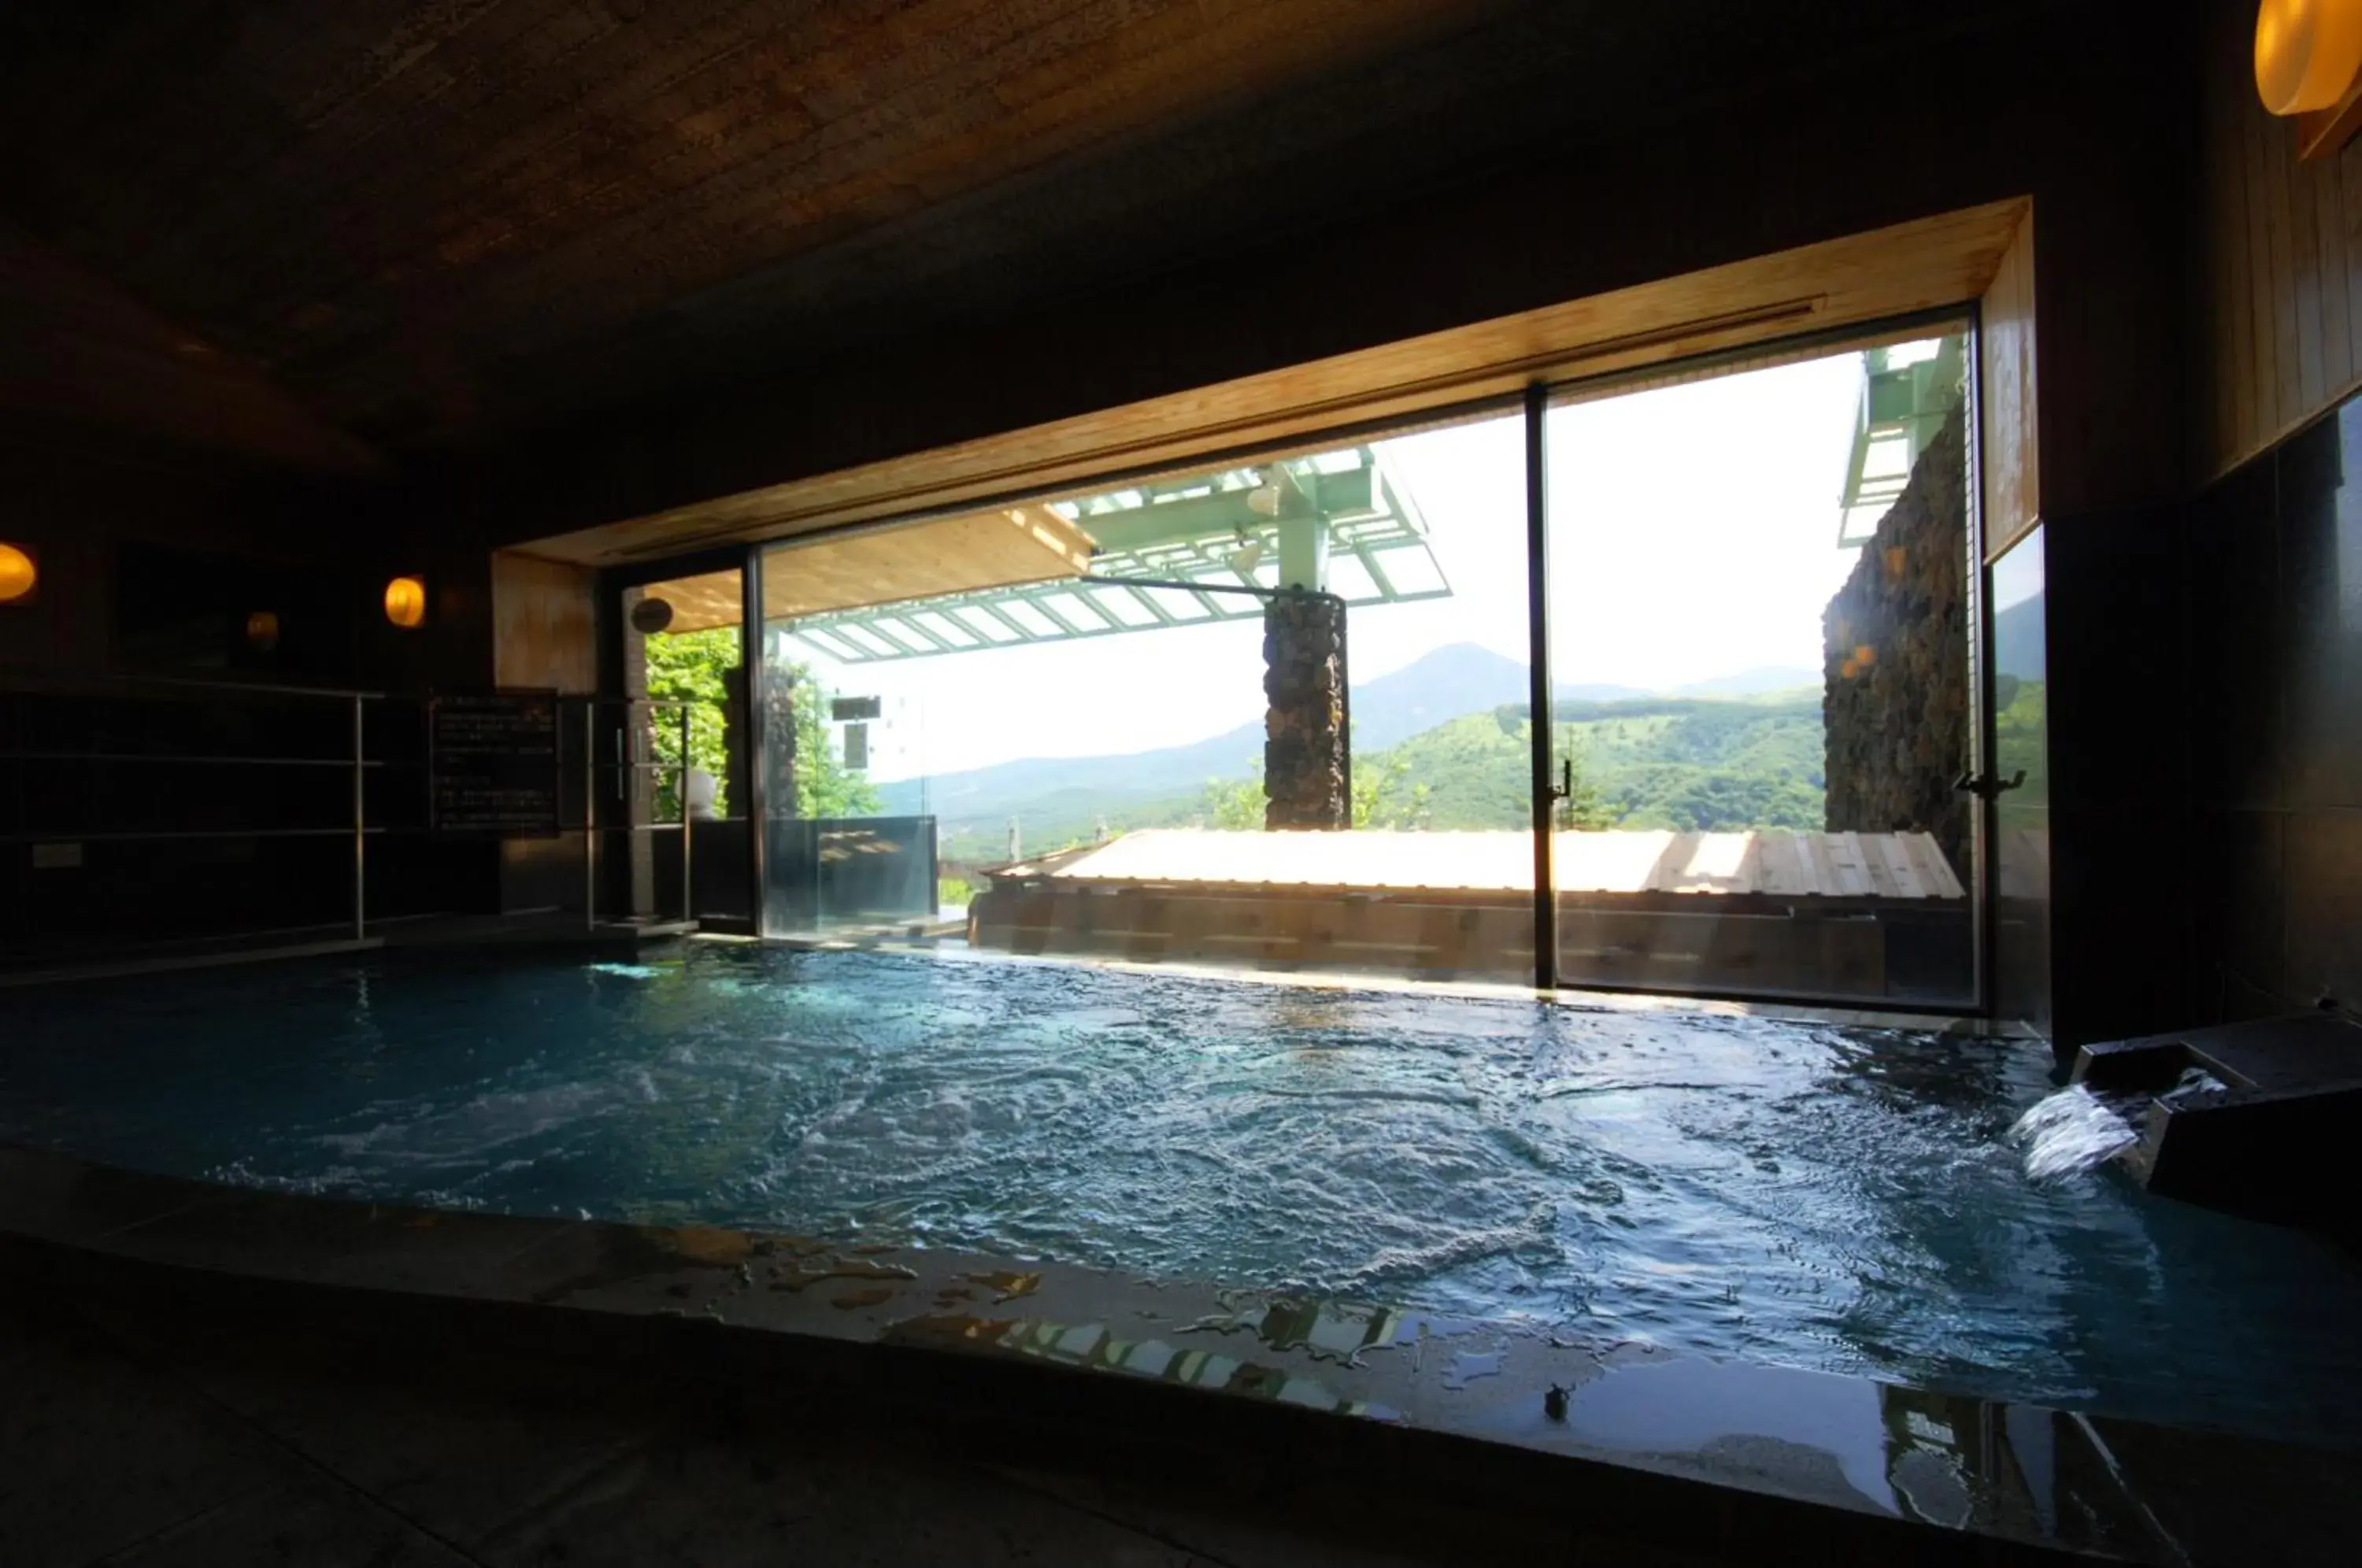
(2021, 826)
(675, 756)
(1761, 641)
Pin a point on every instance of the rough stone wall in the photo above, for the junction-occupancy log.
(1895, 683)
(1304, 750)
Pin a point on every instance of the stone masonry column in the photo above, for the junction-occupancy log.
(1305, 759)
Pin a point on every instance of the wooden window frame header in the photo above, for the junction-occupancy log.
(1918, 268)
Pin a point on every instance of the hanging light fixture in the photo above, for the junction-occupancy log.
(19, 573)
(1243, 559)
(2307, 53)
(406, 602)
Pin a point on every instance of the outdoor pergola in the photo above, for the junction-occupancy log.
(1167, 554)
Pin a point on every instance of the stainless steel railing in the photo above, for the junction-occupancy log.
(358, 758)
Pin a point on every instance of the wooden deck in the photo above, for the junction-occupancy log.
(1827, 915)
(1882, 866)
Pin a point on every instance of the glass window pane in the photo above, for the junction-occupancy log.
(1762, 617)
(682, 730)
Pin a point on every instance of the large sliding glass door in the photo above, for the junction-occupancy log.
(671, 787)
(1761, 621)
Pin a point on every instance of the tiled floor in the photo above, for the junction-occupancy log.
(118, 1448)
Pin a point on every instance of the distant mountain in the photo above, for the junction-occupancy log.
(1460, 679)
(1444, 684)
(2018, 640)
(1056, 796)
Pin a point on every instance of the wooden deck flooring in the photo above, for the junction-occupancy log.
(1880, 867)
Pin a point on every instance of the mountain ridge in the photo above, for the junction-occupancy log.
(1440, 686)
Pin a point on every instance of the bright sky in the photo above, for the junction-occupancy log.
(1693, 534)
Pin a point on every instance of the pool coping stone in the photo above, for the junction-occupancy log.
(1667, 1448)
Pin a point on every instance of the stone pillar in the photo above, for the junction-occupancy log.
(1894, 708)
(1306, 755)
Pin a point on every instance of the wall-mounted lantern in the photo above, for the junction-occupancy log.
(20, 573)
(406, 602)
(2307, 52)
(263, 631)
(2309, 66)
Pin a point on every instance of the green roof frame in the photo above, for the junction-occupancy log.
(1220, 530)
(1905, 404)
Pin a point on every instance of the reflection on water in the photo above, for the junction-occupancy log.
(1841, 1199)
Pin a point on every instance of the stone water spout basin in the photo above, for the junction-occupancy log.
(2262, 1117)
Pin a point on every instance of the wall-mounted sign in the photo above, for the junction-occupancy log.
(493, 762)
(844, 709)
(857, 748)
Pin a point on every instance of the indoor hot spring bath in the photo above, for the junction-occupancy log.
(1738, 1187)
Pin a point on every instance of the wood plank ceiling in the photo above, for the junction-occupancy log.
(377, 201)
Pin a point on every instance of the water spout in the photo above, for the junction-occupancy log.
(2075, 1128)
(2070, 1131)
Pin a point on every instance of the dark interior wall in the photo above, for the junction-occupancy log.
(2119, 704)
(2275, 691)
(152, 559)
(111, 515)
(2206, 655)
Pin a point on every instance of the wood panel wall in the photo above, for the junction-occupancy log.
(544, 624)
(2280, 316)
(2009, 407)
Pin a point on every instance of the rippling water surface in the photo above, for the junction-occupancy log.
(1835, 1198)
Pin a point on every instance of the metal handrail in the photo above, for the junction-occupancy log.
(168, 835)
(39, 678)
(593, 769)
(359, 764)
(180, 756)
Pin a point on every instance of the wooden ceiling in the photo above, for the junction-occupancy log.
(436, 223)
(380, 203)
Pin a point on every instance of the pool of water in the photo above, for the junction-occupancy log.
(1837, 1198)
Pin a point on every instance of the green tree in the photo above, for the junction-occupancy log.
(1380, 799)
(824, 786)
(695, 667)
(1236, 804)
(1383, 795)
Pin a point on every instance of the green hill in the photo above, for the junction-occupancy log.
(1684, 763)
(1700, 765)
(1691, 763)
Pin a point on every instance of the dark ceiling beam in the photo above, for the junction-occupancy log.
(74, 348)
